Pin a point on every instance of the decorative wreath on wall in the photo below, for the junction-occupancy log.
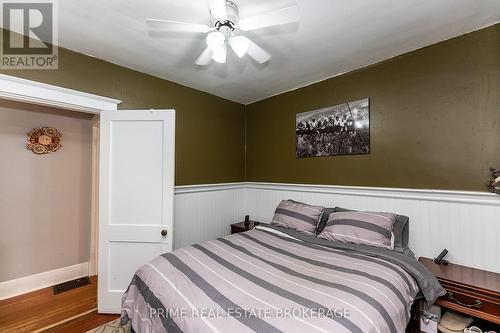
(43, 140)
(495, 183)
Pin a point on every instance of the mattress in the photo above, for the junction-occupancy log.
(272, 279)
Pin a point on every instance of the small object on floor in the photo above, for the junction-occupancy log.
(428, 323)
(73, 284)
(430, 318)
(453, 323)
(475, 329)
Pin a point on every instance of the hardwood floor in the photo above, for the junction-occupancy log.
(41, 311)
(83, 323)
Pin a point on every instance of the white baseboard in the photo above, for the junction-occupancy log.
(42, 280)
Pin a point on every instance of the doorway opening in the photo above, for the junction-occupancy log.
(48, 208)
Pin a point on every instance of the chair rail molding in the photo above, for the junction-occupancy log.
(185, 189)
(481, 198)
(27, 91)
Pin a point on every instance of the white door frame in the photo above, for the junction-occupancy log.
(33, 92)
(94, 214)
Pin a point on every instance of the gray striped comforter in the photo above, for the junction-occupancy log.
(265, 280)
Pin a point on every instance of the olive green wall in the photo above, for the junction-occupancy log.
(435, 121)
(209, 130)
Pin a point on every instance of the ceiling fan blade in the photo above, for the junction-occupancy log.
(205, 57)
(270, 19)
(220, 55)
(218, 9)
(175, 26)
(257, 53)
(239, 44)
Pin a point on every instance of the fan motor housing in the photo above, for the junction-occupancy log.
(233, 17)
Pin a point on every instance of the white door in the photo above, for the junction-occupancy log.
(136, 197)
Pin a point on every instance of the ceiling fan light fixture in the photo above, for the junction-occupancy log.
(227, 28)
(239, 44)
(216, 41)
(220, 55)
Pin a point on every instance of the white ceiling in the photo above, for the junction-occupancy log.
(333, 37)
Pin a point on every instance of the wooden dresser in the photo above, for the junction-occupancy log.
(471, 292)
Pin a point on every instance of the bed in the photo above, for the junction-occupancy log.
(273, 279)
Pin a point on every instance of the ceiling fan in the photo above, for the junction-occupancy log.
(227, 29)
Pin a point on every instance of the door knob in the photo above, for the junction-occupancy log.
(164, 233)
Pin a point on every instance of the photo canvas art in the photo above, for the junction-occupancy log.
(337, 130)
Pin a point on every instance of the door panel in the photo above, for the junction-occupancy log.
(136, 192)
(136, 199)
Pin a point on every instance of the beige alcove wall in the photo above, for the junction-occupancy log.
(26, 103)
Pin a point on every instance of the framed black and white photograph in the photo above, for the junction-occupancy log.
(337, 130)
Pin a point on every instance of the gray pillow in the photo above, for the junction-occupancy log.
(366, 228)
(297, 216)
(401, 230)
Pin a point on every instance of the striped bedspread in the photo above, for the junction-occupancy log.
(265, 280)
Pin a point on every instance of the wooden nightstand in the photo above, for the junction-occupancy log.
(471, 292)
(240, 227)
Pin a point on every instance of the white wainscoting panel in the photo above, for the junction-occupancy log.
(466, 223)
(204, 212)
